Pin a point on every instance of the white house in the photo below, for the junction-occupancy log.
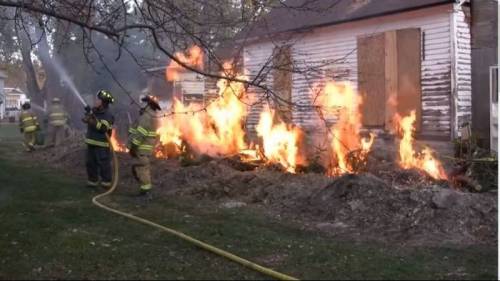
(3, 76)
(14, 98)
(188, 87)
(416, 52)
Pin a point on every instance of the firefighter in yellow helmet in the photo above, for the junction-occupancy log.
(58, 119)
(28, 124)
(141, 142)
(99, 124)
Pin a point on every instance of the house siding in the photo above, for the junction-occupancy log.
(337, 44)
(463, 66)
(2, 96)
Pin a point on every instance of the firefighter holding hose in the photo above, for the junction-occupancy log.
(141, 142)
(99, 125)
(58, 120)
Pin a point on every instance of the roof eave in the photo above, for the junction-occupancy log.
(310, 27)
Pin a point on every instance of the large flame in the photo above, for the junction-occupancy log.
(280, 141)
(116, 144)
(215, 130)
(408, 158)
(346, 139)
(170, 139)
(194, 58)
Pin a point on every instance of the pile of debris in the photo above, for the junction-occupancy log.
(361, 205)
(385, 203)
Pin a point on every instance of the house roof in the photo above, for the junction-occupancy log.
(296, 15)
(13, 92)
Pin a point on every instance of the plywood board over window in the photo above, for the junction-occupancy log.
(409, 73)
(282, 81)
(371, 79)
(389, 69)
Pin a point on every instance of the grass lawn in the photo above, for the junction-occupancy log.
(50, 229)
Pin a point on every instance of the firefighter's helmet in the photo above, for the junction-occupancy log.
(105, 96)
(26, 105)
(152, 102)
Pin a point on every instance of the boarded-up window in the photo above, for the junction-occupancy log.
(409, 94)
(371, 75)
(389, 73)
(282, 81)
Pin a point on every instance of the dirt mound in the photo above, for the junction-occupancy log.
(388, 204)
(360, 205)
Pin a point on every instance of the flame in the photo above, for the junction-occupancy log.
(342, 99)
(117, 146)
(215, 130)
(170, 139)
(194, 58)
(408, 158)
(406, 151)
(250, 154)
(280, 142)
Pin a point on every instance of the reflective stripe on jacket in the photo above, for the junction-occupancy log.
(96, 133)
(144, 135)
(57, 116)
(28, 121)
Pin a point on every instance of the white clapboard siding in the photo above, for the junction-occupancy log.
(191, 83)
(333, 48)
(2, 96)
(463, 66)
(255, 59)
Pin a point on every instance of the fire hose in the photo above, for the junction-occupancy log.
(246, 263)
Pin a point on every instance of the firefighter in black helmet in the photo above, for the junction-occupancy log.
(142, 140)
(99, 124)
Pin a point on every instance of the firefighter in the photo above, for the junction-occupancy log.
(28, 124)
(141, 142)
(58, 119)
(99, 125)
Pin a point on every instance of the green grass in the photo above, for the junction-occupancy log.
(49, 229)
(9, 131)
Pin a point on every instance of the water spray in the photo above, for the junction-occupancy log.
(36, 106)
(67, 80)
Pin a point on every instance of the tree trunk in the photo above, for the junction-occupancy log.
(34, 91)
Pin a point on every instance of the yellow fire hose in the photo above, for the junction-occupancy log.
(266, 271)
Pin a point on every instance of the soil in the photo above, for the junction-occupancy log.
(384, 203)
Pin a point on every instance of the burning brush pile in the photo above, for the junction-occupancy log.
(204, 152)
(216, 129)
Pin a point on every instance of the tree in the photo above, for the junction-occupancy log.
(166, 26)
